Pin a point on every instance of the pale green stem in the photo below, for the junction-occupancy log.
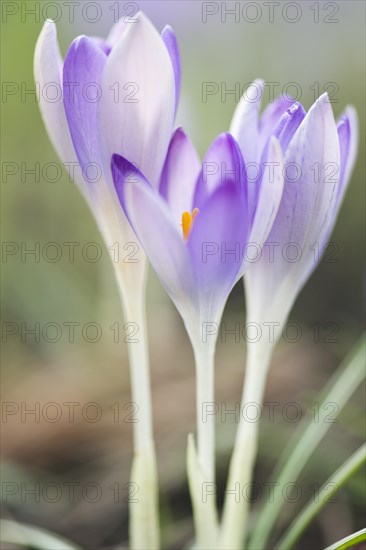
(144, 505)
(205, 408)
(201, 463)
(236, 506)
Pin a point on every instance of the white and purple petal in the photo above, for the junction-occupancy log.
(151, 219)
(171, 44)
(138, 100)
(270, 119)
(82, 73)
(289, 122)
(181, 169)
(304, 216)
(269, 194)
(48, 74)
(245, 123)
(348, 142)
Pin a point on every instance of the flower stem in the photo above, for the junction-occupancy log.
(144, 504)
(201, 463)
(235, 514)
(205, 408)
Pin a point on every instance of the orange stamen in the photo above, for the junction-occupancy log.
(187, 221)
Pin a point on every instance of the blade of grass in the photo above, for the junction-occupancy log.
(307, 437)
(350, 541)
(336, 481)
(31, 536)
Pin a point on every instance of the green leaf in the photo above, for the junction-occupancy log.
(31, 536)
(350, 541)
(336, 481)
(307, 438)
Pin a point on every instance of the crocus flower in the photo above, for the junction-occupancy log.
(117, 94)
(195, 227)
(319, 155)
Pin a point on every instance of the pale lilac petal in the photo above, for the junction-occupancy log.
(347, 128)
(138, 122)
(303, 219)
(102, 44)
(348, 141)
(288, 124)
(269, 196)
(82, 73)
(270, 118)
(223, 163)
(119, 28)
(180, 173)
(308, 202)
(152, 222)
(48, 74)
(216, 244)
(171, 43)
(245, 123)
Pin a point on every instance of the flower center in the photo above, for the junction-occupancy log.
(187, 221)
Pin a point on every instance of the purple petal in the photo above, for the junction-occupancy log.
(180, 173)
(149, 216)
(288, 124)
(103, 44)
(223, 162)
(171, 44)
(271, 117)
(82, 72)
(216, 243)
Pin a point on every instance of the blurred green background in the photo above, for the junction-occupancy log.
(38, 211)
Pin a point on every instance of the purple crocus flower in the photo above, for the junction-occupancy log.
(194, 229)
(116, 95)
(319, 155)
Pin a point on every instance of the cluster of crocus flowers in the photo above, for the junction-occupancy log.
(190, 229)
(195, 224)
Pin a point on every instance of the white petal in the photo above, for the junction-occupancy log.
(119, 28)
(351, 115)
(245, 122)
(48, 75)
(269, 195)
